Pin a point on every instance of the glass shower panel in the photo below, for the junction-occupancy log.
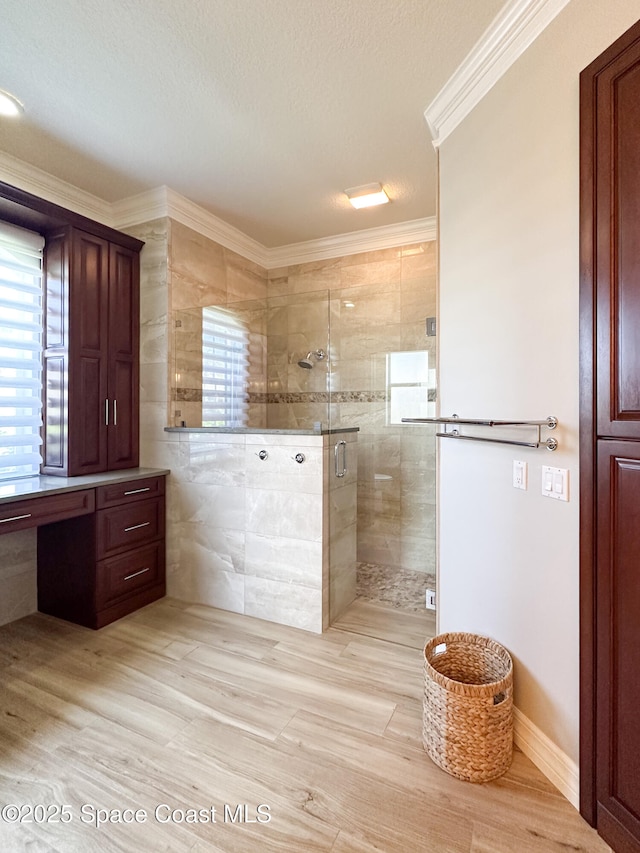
(237, 365)
(383, 368)
(298, 360)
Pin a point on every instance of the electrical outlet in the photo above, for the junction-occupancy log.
(431, 599)
(519, 474)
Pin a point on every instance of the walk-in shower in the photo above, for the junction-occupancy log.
(377, 356)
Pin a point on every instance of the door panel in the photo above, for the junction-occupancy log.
(88, 329)
(123, 429)
(618, 246)
(618, 638)
(124, 314)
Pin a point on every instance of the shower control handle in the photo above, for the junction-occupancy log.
(262, 454)
(300, 457)
(340, 466)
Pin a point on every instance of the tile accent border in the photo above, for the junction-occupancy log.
(194, 395)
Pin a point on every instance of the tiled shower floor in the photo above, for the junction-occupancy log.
(400, 588)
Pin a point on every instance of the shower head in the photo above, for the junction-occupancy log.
(307, 363)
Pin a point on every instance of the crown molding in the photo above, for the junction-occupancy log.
(518, 24)
(368, 240)
(143, 207)
(211, 226)
(163, 201)
(37, 182)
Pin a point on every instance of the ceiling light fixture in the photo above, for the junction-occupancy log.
(368, 195)
(9, 104)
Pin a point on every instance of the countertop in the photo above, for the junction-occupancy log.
(45, 484)
(259, 431)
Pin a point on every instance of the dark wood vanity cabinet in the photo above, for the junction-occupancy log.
(91, 359)
(96, 568)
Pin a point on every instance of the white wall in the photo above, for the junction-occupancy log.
(509, 349)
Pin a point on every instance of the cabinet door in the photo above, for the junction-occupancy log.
(88, 348)
(123, 374)
(618, 643)
(617, 230)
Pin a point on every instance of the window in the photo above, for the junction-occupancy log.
(20, 351)
(408, 383)
(225, 369)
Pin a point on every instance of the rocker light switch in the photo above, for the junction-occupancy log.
(555, 483)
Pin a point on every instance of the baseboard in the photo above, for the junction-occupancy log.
(549, 758)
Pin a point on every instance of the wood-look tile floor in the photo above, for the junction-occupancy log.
(188, 708)
(379, 619)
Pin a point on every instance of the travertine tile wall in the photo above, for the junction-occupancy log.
(379, 302)
(158, 449)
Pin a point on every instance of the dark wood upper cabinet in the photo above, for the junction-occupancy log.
(90, 354)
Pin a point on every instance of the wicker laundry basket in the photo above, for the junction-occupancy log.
(468, 706)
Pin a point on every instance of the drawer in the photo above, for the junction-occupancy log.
(134, 490)
(19, 515)
(129, 526)
(123, 576)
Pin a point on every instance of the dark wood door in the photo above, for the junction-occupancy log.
(123, 382)
(610, 443)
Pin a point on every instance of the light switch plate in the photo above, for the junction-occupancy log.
(555, 483)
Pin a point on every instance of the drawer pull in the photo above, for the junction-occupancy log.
(15, 518)
(137, 526)
(135, 574)
(138, 491)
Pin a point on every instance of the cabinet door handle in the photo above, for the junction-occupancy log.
(115, 413)
(106, 412)
(135, 574)
(137, 491)
(15, 518)
(137, 526)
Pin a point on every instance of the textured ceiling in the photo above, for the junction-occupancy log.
(261, 111)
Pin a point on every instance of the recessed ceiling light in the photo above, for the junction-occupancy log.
(10, 105)
(368, 195)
